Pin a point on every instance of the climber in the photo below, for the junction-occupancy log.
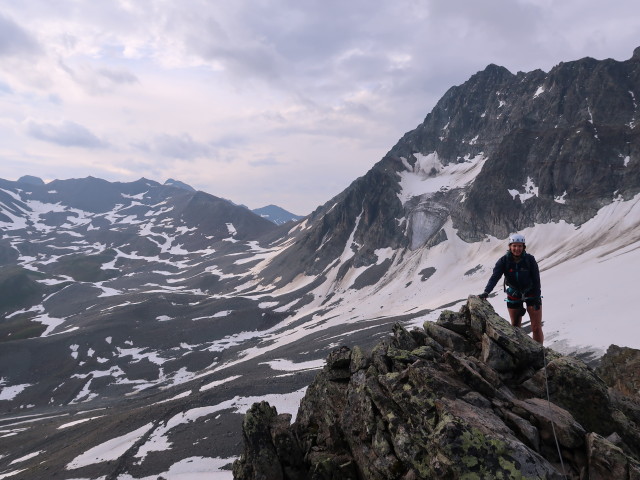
(522, 278)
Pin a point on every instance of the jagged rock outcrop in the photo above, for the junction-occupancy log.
(620, 368)
(465, 397)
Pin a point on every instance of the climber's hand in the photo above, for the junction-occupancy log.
(483, 295)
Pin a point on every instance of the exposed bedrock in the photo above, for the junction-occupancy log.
(463, 397)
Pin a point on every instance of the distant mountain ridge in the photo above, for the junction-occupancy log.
(175, 310)
(276, 214)
(273, 213)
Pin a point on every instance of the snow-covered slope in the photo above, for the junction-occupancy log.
(587, 274)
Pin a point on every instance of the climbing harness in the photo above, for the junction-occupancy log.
(553, 428)
(516, 297)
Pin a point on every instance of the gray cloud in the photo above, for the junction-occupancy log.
(265, 162)
(335, 59)
(165, 148)
(66, 134)
(181, 147)
(117, 76)
(285, 41)
(230, 141)
(14, 40)
(98, 81)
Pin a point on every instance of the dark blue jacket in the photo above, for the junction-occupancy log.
(522, 276)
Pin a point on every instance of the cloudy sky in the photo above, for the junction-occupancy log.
(260, 101)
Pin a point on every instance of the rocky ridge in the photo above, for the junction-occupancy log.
(465, 397)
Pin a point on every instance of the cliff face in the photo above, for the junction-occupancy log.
(548, 137)
(465, 397)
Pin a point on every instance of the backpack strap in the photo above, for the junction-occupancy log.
(505, 261)
(526, 258)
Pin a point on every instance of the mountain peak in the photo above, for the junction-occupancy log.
(31, 180)
(277, 215)
(492, 73)
(178, 184)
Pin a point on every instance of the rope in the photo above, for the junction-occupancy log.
(553, 428)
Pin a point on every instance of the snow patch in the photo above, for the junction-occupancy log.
(561, 199)
(9, 392)
(27, 457)
(139, 196)
(192, 468)
(289, 366)
(530, 190)
(217, 383)
(15, 472)
(177, 397)
(77, 422)
(429, 175)
(110, 450)
(139, 354)
(50, 322)
(264, 305)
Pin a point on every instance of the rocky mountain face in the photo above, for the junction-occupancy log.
(535, 146)
(464, 397)
(361, 219)
(547, 136)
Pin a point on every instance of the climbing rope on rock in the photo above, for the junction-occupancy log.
(553, 428)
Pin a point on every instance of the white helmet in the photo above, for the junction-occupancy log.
(516, 238)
